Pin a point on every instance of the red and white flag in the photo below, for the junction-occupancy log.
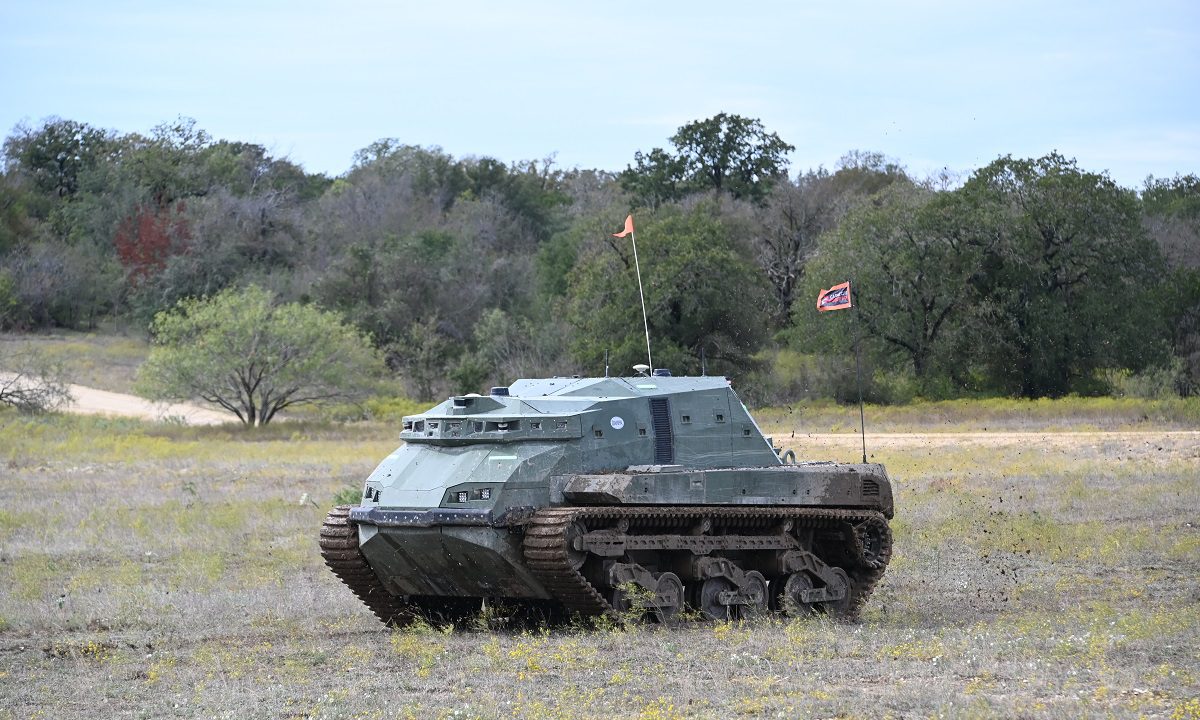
(835, 298)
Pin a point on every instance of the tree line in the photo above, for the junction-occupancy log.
(1029, 277)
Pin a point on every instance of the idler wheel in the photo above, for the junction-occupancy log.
(755, 590)
(839, 584)
(669, 596)
(786, 595)
(576, 556)
(706, 598)
(874, 542)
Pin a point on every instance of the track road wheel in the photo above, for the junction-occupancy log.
(706, 596)
(756, 592)
(669, 593)
(787, 594)
(576, 557)
(841, 583)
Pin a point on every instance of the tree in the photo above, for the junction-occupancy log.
(429, 172)
(57, 283)
(241, 351)
(657, 179)
(1067, 287)
(863, 173)
(910, 256)
(724, 153)
(732, 153)
(245, 169)
(422, 357)
(169, 165)
(1171, 210)
(200, 247)
(146, 240)
(703, 297)
(506, 346)
(1172, 216)
(797, 213)
(55, 155)
(17, 211)
(417, 246)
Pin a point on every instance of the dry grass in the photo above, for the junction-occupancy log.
(990, 415)
(159, 571)
(101, 360)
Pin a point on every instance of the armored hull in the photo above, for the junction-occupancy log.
(593, 496)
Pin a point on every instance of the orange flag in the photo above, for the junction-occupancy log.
(835, 298)
(628, 228)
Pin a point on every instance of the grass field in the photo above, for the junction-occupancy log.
(104, 360)
(163, 571)
(1045, 567)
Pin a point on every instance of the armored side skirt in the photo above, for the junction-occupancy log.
(814, 484)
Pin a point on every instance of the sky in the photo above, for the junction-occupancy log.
(933, 84)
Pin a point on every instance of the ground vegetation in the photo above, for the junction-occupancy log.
(1044, 567)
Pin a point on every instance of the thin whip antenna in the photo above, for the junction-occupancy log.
(645, 320)
(862, 420)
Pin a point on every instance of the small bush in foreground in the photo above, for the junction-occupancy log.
(31, 382)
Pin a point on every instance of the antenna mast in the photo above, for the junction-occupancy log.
(862, 421)
(641, 295)
(838, 298)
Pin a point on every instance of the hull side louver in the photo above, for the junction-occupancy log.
(664, 441)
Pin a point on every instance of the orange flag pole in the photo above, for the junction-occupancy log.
(645, 320)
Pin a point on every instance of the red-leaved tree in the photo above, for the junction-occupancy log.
(148, 237)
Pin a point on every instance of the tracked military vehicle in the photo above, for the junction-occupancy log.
(595, 495)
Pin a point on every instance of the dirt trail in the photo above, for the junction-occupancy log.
(91, 401)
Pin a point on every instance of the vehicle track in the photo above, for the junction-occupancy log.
(549, 556)
(548, 551)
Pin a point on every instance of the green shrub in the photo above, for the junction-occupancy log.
(10, 302)
(348, 496)
(1155, 383)
(787, 376)
(393, 409)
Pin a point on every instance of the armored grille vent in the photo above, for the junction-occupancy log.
(664, 442)
(870, 487)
